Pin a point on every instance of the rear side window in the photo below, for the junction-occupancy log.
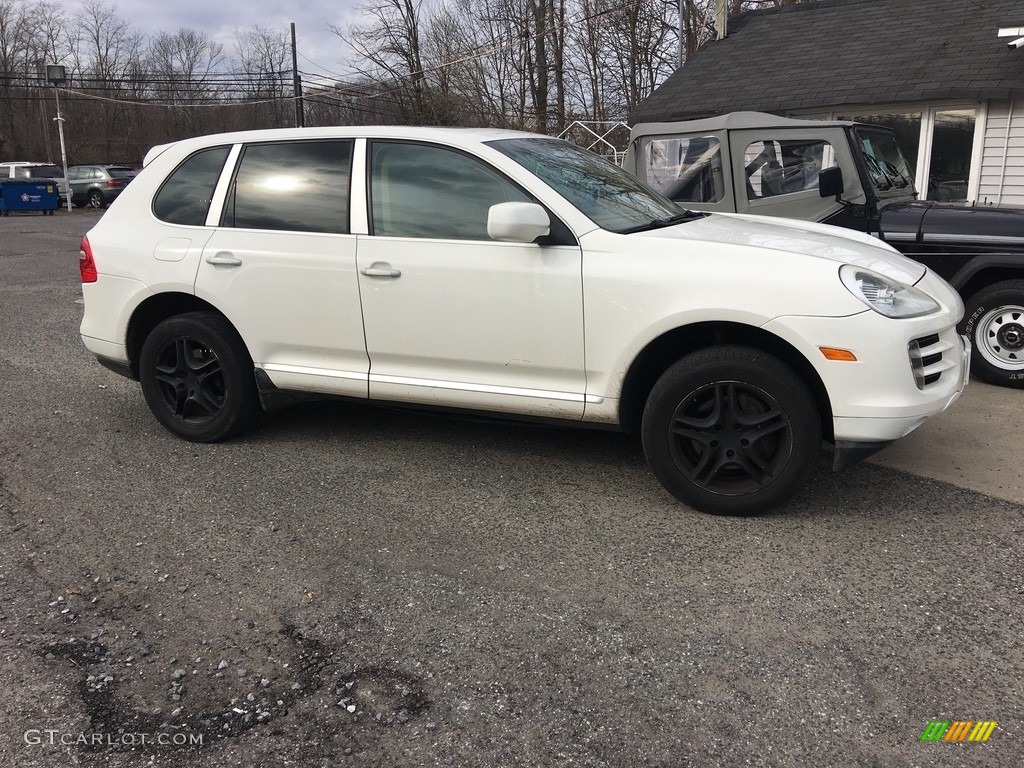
(185, 196)
(685, 169)
(295, 186)
(44, 172)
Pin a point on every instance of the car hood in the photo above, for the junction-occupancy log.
(803, 238)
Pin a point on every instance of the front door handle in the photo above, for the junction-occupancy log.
(224, 260)
(380, 269)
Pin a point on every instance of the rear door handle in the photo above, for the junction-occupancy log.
(380, 270)
(224, 260)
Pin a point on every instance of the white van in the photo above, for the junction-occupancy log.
(24, 169)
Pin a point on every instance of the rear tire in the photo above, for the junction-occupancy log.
(197, 377)
(96, 199)
(731, 430)
(994, 321)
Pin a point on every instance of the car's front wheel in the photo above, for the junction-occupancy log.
(731, 430)
(994, 320)
(197, 377)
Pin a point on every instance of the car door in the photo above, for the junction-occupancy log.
(453, 317)
(281, 265)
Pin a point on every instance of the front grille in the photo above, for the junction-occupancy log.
(926, 359)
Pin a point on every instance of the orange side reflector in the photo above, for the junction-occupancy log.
(842, 355)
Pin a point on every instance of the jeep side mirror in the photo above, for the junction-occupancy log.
(830, 183)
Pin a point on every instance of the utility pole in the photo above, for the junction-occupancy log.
(300, 115)
(682, 32)
(56, 75)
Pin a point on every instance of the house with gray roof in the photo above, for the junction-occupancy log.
(943, 73)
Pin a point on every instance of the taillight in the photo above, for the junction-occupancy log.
(86, 265)
(113, 183)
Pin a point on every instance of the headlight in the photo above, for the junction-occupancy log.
(885, 296)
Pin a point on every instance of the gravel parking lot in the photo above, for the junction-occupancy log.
(351, 585)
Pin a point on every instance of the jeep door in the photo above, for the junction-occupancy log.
(775, 171)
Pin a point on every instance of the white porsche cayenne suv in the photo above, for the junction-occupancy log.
(511, 273)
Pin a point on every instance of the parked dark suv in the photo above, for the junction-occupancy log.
(98, 185)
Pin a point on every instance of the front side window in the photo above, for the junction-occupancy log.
(686, 169)
(186, 195)
(606, 194)
(781, 167)
(296, 186)
(419, 190)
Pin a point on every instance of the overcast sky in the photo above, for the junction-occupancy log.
(221, 19)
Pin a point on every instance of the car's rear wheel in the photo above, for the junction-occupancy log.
(994, 320)
(96, 199)
(197, 377)
(731, 430)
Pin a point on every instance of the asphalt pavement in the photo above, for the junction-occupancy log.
(352, 585)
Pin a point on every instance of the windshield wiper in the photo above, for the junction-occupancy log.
(659, 223)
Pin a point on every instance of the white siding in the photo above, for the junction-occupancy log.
(1002, 163)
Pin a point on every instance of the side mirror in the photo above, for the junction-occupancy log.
(517, 222)
(830, 183)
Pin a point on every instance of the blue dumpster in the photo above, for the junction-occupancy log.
(29, 195)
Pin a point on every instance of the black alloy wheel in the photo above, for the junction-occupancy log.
(197, 377)
(731, 430)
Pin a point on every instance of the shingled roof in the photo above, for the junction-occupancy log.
(836, 52)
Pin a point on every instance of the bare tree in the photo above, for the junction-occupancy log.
(262, 59)
(181, 66)
(105, 53)
(14, 45)
(390, 44)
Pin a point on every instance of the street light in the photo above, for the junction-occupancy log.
(56, 75)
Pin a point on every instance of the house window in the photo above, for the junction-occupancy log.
(949, 166)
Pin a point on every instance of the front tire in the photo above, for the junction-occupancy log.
(731, 430)
(994, 320)
(197, 377)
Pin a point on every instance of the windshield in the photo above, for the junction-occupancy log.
(887, 168)
(121, 173)
(610, 197)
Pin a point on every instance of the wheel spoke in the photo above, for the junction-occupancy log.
(205, 400)
(180, 397)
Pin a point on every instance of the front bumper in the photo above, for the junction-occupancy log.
(878, 398)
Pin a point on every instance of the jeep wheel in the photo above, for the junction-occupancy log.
(731, 430)
(197, 377)
(994, 320)
(96, 199)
